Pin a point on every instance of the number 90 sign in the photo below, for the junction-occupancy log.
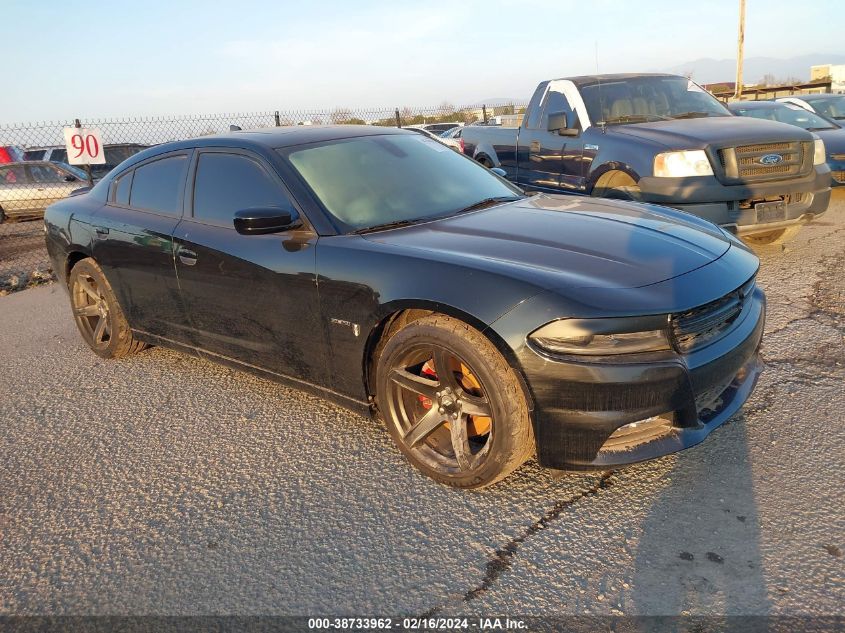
(84, 146)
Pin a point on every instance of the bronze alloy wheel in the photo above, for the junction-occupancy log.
(440, 408)
(452, 403)
(97, 312)
(91, 311)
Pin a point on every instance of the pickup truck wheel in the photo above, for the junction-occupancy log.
(452, 403)
(485, 161)
(97, 313)
(777, 236)
(616, 185)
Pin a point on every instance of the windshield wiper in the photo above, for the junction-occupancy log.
(690, 115)
(487, 202)
(635, 118)
(389, 225)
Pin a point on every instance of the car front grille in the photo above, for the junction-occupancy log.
(838, 176)
(743, 163)
(697, 327)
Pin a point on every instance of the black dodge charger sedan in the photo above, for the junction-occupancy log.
(387, 273)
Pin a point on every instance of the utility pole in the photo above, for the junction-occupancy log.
(740, 50)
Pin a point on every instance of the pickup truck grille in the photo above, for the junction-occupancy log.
(697, 327)
(746, 163)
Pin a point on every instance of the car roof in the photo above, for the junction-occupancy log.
(584, 80)
(816, 97)
(756, 105)
(287, 136)
(23, 163)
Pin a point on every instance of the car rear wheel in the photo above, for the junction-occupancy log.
(777, 236)
(98, 314)
(452, 403)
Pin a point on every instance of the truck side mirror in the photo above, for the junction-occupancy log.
(559, 123)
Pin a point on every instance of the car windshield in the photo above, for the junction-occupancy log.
(641, 99)
(833, 106)
(374, 181)
(787, 114)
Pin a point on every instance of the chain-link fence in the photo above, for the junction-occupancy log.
(34, 169)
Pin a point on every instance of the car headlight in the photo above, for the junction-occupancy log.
(693, 162)
(600, 337)
(819, 155)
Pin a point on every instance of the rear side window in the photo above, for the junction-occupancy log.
(226, 183)
(58, 156)
(34, 154)
(158, 186)
(13, 175)
(121, 189)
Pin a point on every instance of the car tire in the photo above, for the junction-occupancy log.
(617, 185)
(774, 237)
(485, 161)
(2, 216)
(98, 314)
(430, 420)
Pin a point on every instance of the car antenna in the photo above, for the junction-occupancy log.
(602, 124)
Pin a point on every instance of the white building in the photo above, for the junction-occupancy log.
(836, 72)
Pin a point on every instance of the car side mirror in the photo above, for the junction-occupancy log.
(558, 122)
(264, 220)
(70, 178)
(499, 171)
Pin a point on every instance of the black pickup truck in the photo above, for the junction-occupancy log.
(661, 139)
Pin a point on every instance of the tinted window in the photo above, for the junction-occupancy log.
(372, 180)
(121, 189)
(34, 154)
(12, 175)
(58, 156)
(157, 186)
(533, 121)
(226, 183)
(556, 102)
(45, 174)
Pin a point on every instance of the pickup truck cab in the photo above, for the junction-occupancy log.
(661, 139)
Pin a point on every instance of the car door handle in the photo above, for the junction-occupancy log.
(189, 258)
(101, 231)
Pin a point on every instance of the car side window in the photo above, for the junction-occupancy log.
(556, 102)
(121, 189)
(12, 175)
(45, 174)
(226, 183)
(534, 109)
(157, 186)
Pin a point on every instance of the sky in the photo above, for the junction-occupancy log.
(154, 57)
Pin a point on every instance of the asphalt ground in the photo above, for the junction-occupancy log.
(163, 484)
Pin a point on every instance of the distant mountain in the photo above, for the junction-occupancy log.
(709, 71)
(495, 101)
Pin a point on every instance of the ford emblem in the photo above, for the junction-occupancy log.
(771, 159)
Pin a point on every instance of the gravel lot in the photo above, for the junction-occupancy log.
(163, 484)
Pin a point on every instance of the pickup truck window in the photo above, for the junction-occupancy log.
(648, 98)
(555, 102)
(534, 110)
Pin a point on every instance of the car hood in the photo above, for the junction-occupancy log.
(566, 241)
(719, 131)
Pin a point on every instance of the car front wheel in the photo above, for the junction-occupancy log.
(452, 403)
(98, 314)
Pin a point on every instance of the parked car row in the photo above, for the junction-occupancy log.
(40, 175)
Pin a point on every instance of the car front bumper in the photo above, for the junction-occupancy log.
(733, 206)
(579, 407)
